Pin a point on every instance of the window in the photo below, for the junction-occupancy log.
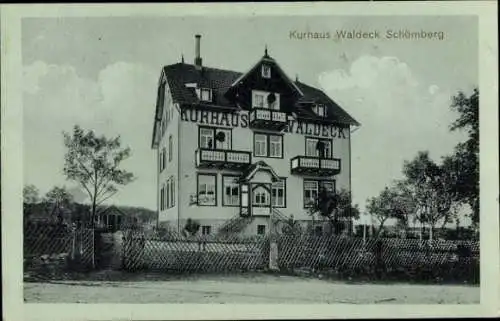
(275, 146)
(258, 100)
(172, 190)
(312, 187)
(205, 229)
(320, 110)
(316, 147)
(260, 196)
(205, 94)
(162, 198)
(310, 193)
(260, 145)
(167, 194)
(266, 71)
(163, 127)
(266, 145)
(207, 190)
(278, 193)
(261, 229)
(263, 99)
(170, 149)
(161, 159)
(231, 189)
(221, 137)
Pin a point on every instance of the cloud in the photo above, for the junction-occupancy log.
(119, 102)
(399, 115)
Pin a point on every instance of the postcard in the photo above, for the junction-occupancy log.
(250, 161)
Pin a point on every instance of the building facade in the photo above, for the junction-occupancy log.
(234, 149)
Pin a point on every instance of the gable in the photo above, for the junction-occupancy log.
(273, 81)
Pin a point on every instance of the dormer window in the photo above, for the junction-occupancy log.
(266, 71)
(204, 94)
(319, 109)
(264, 99)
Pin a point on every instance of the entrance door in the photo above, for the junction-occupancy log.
(261, 199)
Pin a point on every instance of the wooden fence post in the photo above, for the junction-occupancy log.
(273, 245)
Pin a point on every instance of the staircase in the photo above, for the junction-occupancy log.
(235, 225)
(279, 217)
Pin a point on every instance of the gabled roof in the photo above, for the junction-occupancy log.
(273, 62)
(258, 166)
(220, 81)
(314, 95)
(180, 74)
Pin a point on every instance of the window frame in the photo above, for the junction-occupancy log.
(268, 144)
(316, 109)
(237, 204)
(206, 227)
(214, 131)
(282, 179)
(170, 148)
(162, 198)
(205, 90)
(167, 194)
(264, 229)
(266, 71)
(318, 184)
(317, 139)
(214, 175)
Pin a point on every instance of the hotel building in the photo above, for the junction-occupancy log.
(234, 148)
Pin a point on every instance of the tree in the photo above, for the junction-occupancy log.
(192, 227)
(30, 198)
(392, 202)
(59, 203)
(334, 207)
(94, 163)
(466, 156)
(430, 186)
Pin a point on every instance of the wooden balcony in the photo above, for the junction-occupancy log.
(264, 118)
(222, 159)
(308, 165)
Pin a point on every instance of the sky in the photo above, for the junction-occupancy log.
(102, 74)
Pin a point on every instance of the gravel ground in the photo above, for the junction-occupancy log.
(244, 289)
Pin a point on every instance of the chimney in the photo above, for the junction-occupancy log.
(197, 59)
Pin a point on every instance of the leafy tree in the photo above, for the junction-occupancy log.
(431, 189)
(93, 161)
(392, 202)
(291, 226)
(59, 203)
(192, 227)
(334, 207)
(465, 159)
(31, 196)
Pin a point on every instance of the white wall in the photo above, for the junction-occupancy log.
(243, 140)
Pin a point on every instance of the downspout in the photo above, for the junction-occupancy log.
(157, 188)
(177, 107)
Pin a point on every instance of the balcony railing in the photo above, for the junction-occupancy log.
(268, 119)
(310, 165)
(219, 158)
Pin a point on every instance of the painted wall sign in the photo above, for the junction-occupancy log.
(227, 119)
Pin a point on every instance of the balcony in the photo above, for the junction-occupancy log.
(222, 159)
(308, 165)
(264, 118)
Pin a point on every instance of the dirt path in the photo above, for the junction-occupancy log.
(260, 289)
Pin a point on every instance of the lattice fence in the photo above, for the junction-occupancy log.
(176, 252)
(355, 255)
(51, 248)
